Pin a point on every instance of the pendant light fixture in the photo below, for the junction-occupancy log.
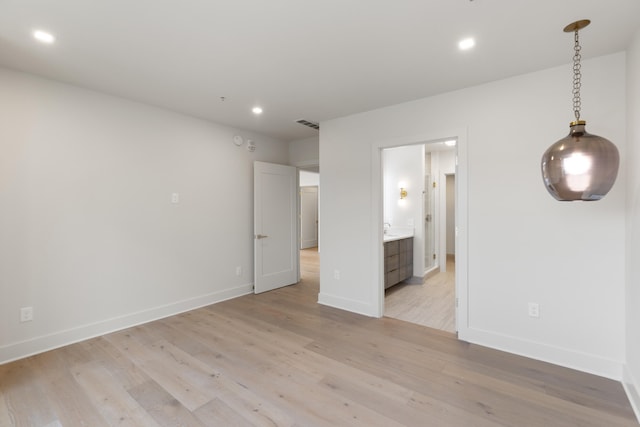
(580, 166)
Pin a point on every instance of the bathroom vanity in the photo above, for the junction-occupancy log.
(398, 259)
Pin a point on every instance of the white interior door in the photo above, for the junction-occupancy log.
(308, 217)
(275, 226)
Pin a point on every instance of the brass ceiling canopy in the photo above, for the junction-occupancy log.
(576, 26)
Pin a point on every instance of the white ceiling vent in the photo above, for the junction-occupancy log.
(307, 123)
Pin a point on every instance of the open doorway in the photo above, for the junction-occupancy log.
(309, 186)
(309, 181)
(428, 296)
(308, 216)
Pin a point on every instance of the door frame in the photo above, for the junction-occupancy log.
(462, 238)
(443, 225)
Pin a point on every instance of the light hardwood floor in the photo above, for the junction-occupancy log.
(431, 303)
(280, 359)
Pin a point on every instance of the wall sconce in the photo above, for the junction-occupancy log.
(403, 193)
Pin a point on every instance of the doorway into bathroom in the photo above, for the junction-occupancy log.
(426, 173)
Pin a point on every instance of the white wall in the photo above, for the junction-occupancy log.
(309, 179)
(404, 167)
(89, 237)
(304, 152)
(632, 373)
(522, 245)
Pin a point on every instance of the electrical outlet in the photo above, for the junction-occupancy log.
(26, 314)
(238, 271)
(175, 198)
(534, 309)
(336, 274)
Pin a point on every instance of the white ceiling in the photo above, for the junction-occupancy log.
(315, 60)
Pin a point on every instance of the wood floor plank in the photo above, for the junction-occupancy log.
(119, 364)
(67, 398)
(429, 383)
(166, 410)
(569, 384)
(113, 402)
(6, 418)
(483, 402)
(218, 413)
(259, 411)
(192, 384)
(585, 414)
(430, 303)
(24, 396)
(283, 375)
(253, 375)
(403, 407)
(281, 359)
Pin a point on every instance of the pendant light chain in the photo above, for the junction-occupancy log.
(580, 166)
(577, 76)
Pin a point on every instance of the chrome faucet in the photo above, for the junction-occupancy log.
(385, 227)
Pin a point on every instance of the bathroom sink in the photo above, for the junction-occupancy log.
(396, 233)
(388, 237)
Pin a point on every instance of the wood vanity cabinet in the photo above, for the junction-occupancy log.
(398, 261)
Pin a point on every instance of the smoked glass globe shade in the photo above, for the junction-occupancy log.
(580, 166)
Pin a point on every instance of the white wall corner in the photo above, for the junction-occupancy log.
(30, 347)
(305, 152)
(572, 359)
(305, 163)
(359, 307)
(632, 388)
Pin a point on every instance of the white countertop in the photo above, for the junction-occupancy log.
(397, 233)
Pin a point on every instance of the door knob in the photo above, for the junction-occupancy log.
(260, 236)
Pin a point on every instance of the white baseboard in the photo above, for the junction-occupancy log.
(309, 244)
(58, 339)
(632, 387)
(415, 280)
(347, 304)
(558, 356)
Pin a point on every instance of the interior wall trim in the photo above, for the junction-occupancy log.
(354, 306)
(632, 388)
(585, 362)
(30, 347)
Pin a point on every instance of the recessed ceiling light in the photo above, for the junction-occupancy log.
(257, 110)
(43, 36)
(466, 44)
